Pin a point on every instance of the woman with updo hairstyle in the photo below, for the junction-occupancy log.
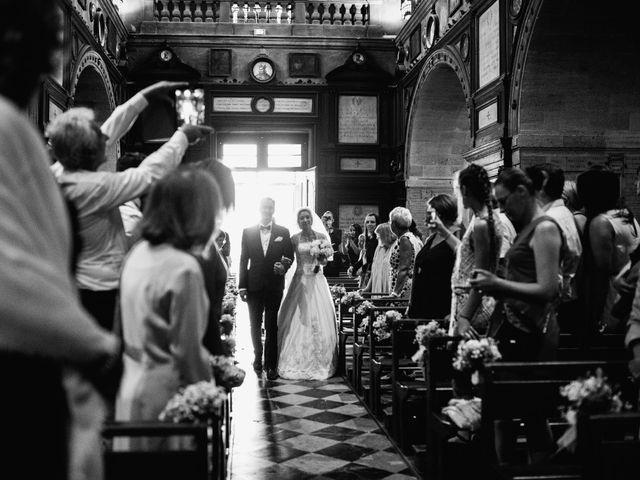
(480, 248)
(163, 298)
(403, 254)
(611, 234)
(431, 292)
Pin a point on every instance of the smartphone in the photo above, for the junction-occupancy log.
(190, 106)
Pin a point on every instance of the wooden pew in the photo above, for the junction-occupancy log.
(608, 346)
(407, 384)
(609, 445)
(513, 391)
(192, 463)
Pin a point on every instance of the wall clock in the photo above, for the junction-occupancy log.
(358, 58)
(166, 55)
(262, 104)
(262, 70)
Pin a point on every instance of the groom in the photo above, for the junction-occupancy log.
(265, 256)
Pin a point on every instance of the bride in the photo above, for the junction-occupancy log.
(307, 337)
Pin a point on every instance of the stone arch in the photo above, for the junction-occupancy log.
(91, 87)
(438, 129)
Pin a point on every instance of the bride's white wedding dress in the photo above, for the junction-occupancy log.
(307, 333)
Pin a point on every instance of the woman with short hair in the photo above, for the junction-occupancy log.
(404, 252)
(79, 145)
(163, 298)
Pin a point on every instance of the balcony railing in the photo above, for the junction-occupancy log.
(309, 12)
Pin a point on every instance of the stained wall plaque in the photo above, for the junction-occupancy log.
(357, 119)
(348, 214)
(489, 45)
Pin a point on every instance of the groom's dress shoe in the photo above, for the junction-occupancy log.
(272, 374)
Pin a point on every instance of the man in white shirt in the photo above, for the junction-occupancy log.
(266, 254)
(548, 181)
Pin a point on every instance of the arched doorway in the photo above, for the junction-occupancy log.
(575, 89)
(92, 89)
(438, 132)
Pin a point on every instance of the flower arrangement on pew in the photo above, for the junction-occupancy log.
(350, 299)
(196, 403)
(382, 324)
(228, 319)
(338, 292)
(363, 308)
(591, 395)
(423, 334)
(226, 372)
(321, 250)
(472, 355)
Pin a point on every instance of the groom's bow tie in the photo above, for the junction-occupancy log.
(264, 228)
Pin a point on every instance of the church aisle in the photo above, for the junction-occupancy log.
(308, 429)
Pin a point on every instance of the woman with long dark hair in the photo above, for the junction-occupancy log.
(480, 248)
(368, 242)
(611, 234)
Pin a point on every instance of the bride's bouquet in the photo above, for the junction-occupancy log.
(321, 250)
(197, 402)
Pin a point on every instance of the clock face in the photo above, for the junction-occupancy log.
(166, 55)
(262, 71)
(263, 105)
(358, 58)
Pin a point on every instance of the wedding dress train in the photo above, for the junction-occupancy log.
(307, 333)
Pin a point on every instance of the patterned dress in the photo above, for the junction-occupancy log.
(394, 262)
(464, 266)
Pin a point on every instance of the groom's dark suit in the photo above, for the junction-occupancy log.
(264, 287)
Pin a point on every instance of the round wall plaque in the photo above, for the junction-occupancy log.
(433, 30)
(464, 47)
(262, 104)
(262, 70)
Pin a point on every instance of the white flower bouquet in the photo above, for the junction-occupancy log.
(382, 324)
(351, 298)
(196, 403)
(228, 345)
(591, 395)
(337, 293)
(226, 372)
(472, 355)
(322, 250)
(363, 308)
(423, 333)
(229, 303)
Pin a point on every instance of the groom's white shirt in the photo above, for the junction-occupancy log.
(265, 236)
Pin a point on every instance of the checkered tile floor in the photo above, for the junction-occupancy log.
(308, 429)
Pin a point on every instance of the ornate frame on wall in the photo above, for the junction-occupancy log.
(220, 62)
(304, 65)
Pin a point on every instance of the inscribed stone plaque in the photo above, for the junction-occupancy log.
(358, 164)
(489, 45)
(348, 214)
(357, 119)
(232, 104)
(488, 115)
(293, 105)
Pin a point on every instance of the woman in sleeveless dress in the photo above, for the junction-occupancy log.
(307, 334)
(403, 253)
(480, 248)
